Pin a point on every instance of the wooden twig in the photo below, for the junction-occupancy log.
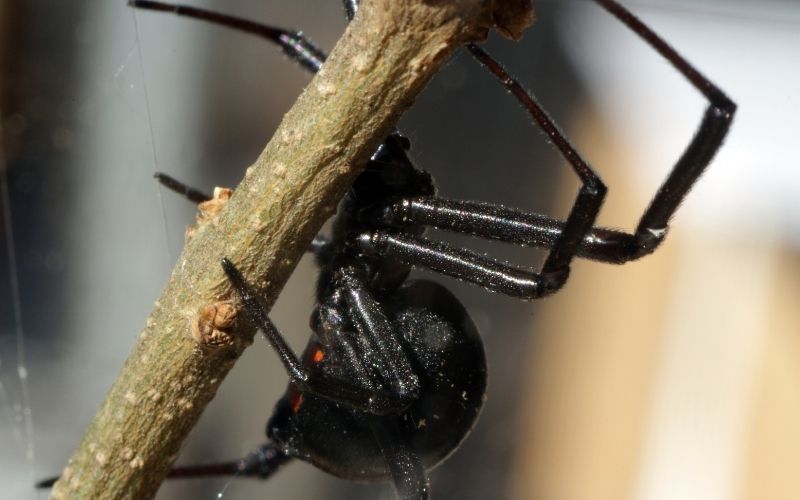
(191, 340)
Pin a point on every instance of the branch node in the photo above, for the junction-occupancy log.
(214, 325)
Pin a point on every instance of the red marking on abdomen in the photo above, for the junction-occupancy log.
(296, 401)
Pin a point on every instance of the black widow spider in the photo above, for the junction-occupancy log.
(393, 378)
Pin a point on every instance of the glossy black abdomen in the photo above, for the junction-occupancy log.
(447, 354)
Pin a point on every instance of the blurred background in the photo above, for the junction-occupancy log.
(672, 377)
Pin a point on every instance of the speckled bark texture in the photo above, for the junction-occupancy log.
(388, 53)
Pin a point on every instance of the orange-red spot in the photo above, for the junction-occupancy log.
(296, 400)
(318, 356)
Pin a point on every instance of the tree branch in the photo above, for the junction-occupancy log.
(191, 340)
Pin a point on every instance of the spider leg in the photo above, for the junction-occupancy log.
(386, 353)
(489, 273)
(192, 194)
(590, 197)
(293, 43)
(261, 464)
(320, 246)
(383, 381)
(46, 483)
(350, 8)
(405, 466)
(486, 220)
(321, 249)
(363, 378)
(698, 154)
(602, 244)
(462, 264)
(259, 316)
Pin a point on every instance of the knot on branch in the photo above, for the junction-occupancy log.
(208, 211)
(214, 324)
(511, 17)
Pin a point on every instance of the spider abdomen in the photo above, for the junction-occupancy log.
(447, 354)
